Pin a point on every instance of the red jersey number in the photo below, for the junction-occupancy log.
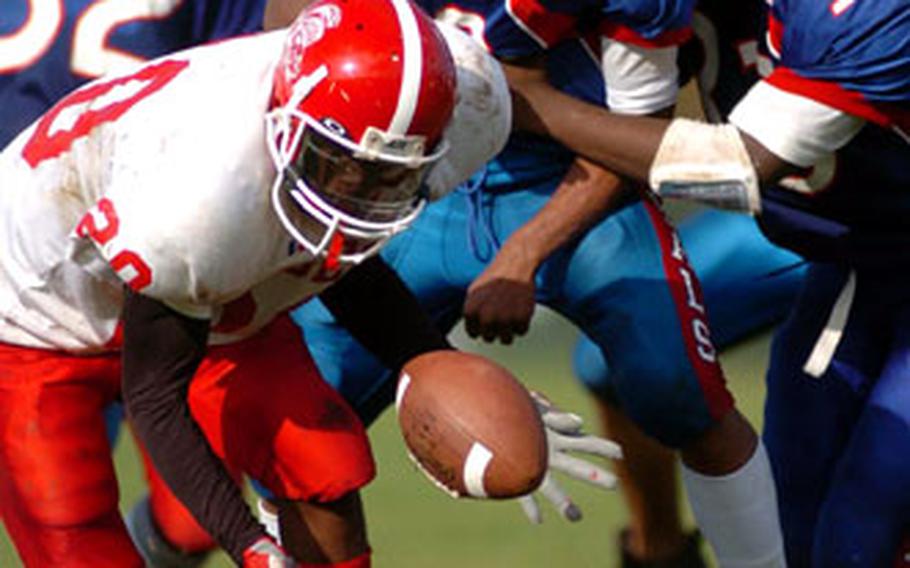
(101, 224)
(73, 117)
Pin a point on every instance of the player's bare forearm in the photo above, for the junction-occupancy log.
(499, 303)
(585, 195)
(625, 144)
(161, 351)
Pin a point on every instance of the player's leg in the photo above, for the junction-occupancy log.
(644, 308)
(865, 513)
(58, 490)
(266, 411)
(647, 475)
(747, 282)
(809, 419)
(163, 529)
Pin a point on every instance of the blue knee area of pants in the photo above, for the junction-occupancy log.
(613, 284)
(865, 513)
(747, 283)
(590, 367)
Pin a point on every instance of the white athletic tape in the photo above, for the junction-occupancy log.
(403, 383)
(475, 466)
(269, 520)
(827, 343)
(707, 163)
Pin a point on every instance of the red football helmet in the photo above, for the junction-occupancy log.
(362, 94)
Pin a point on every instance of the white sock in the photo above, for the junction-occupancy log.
(268, 517)
(737, 513)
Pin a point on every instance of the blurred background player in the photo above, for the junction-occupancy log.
(51, 48)
(748, 283)
(62, 295)
(625, 280)
(833, 110)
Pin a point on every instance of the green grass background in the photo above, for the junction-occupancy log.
(412, 524)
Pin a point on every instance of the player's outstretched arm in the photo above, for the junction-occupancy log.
(565, 435)
(500, 302)
(629, 144)
(161, 351)
(379, 310)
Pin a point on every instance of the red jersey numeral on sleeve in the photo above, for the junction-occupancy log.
(89, 226)
(132, 269)
(59, 128)
(101, 224)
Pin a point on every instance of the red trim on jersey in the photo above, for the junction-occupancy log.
(775, 34)
(833, 95)
(625, 34)
(687, 297)
(548, 26)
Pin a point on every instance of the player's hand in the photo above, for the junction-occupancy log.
(266, 553)
(500, 302)
(564, 435)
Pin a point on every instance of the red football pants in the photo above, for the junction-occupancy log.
(261, 404)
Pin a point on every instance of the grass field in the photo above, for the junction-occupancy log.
(412, 524)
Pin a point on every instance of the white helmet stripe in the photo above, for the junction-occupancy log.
(412, 71)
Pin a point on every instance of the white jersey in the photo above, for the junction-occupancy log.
(160, 179)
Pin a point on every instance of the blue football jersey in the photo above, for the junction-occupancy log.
(852, 55)
(565, 32)
(854, 205)
(49, 47)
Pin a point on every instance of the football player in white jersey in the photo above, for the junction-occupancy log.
(157, 225)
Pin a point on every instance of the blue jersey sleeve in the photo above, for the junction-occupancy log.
(853, 55)
(651, 23)
(513, 28)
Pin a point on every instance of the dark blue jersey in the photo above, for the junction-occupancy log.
(850, 54)
(521, 28)
(558, 30)
(50, 47)
(854, 205)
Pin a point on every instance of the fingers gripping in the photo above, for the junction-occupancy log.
(564, 434)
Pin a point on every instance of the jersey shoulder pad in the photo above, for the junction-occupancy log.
(482, 117)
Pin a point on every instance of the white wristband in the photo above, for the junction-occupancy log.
(706, 163)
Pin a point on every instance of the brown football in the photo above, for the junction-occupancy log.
(471, 426)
